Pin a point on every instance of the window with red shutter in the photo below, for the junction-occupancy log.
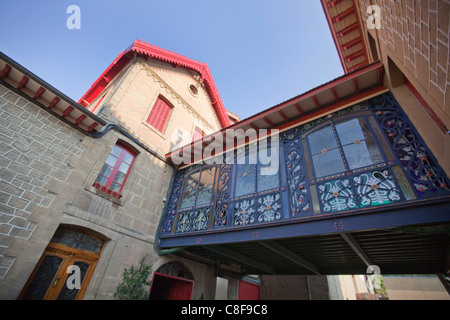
(159, 114)
(117, 168)
(198, 134)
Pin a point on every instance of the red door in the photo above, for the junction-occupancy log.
(165, 287)
(248, 291)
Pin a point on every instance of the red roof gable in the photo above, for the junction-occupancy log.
(151, 51)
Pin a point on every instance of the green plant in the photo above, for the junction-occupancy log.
(134, 282)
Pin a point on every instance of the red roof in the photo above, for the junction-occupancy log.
(150, 51)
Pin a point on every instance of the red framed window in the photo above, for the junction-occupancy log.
(159, 114)
(198, 134)
(117, 168)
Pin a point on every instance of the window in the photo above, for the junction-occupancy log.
(252, 175)
(193, 90)
(116, 169)
(198, 188)
(342, 146)
(198, 134)
(159, 114)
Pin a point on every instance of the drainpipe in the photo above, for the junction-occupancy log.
(308, 288)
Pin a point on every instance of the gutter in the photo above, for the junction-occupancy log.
(49, 87)
(112, 126)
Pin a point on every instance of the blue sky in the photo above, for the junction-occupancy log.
(260, 52)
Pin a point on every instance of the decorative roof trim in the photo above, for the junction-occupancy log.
(151, 51)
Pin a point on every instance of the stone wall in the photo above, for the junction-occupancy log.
(34, 148)
(132, 94)
(47, 171)
(415, 35)
(413, 41)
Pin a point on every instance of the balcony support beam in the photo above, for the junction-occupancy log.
(240, 258)
(279, 249)
(356, 248)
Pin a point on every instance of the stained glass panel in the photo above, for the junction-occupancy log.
(362, 154)
(337, 195)
(328, 163)
(43, 278)
(190, 190)
(351, 130)
(205, 188)
(376, 188)
(245, 179)
(71, 293)
(403, 183)
(78, 240)
(244, 212)
(269, 207)
(268, 170)
(322, 139)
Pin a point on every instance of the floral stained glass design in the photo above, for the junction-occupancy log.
(337, 195)
(265, 208)
(269, 207)
(194, 220)
(244, 212)
(376, 188)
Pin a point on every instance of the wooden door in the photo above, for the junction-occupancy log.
(63, 272)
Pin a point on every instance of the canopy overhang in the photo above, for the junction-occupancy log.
(31, 87)
(337, 94)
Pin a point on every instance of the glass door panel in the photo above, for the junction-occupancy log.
(44, 277)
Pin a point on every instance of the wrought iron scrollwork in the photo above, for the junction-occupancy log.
(296, 173)
(173, 202)
(420, 165)
(193, 220)
(222, 197)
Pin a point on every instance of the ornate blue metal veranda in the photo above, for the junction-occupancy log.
(383, 164)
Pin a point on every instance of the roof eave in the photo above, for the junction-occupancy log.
(33, 88)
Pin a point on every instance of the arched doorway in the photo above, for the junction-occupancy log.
(172, 281)
(66, 266)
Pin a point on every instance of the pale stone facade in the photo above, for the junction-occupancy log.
(131, 96)
(48, 169)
